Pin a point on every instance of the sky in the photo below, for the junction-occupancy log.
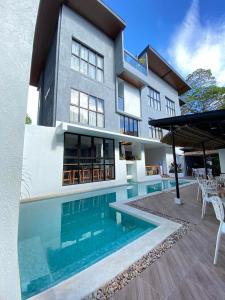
(189, 34)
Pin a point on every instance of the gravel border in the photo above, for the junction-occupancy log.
(122, 279)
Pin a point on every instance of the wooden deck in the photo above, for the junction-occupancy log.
(185, 271)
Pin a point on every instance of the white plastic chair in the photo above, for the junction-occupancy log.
(205, 198)
(200, 181)
(199, 188)
(208, 189)
(219, 211)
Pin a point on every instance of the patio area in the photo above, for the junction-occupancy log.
(186, 270)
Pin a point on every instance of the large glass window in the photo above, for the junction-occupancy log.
(86, 109)
(87, 159)
(154, 99)
(170, 107)
(128, 126)
(87, 62)
(121, 102)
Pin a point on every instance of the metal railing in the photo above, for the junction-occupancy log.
(134, 62)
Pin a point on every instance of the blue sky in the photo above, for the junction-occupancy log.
(188, 33)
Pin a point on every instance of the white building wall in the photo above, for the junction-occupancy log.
(222, 160)
(164, 157)
(156, 156)
(132, 100)
(17, 22)
(43, 165)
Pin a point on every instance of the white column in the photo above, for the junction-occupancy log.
(17, 22)
(222, 160)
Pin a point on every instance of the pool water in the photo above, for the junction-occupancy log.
(66, 235)
(139, 189)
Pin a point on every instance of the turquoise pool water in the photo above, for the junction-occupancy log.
(139, 189)
(61, 237)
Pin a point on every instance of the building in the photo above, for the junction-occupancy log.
(95, 102)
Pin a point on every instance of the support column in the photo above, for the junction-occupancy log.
(222, 160)
(177, 199)
(204, 159)
(17, 23)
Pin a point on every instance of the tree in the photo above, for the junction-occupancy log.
(28, 119)
(205, 94)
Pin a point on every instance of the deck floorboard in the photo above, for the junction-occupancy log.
(186, 271)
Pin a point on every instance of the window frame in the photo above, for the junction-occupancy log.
(92, 158)
(97, 111)
(87, 61)
(155, 133)
(170, 107)
(127, 121)
(154, 102)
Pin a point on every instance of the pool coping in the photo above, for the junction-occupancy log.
(95, 190)
(99, 274)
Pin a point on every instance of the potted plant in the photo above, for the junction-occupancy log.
(179, 170)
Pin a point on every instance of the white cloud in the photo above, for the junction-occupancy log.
(195, 45)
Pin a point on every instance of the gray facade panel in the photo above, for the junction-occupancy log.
(74, 26)
(47, 88)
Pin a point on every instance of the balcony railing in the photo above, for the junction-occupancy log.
(134, 62)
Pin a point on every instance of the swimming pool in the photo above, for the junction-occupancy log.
(68, 234)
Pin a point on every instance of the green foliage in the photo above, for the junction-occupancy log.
(172, 168)
(205, 94)
(28, 120)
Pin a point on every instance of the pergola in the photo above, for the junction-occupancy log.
(201, 131)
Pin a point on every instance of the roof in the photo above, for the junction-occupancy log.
(193, 130)
(95, 11)
(199, 119)
(200, 153)
(158, 65)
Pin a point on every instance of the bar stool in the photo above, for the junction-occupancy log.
(75, 176)
(96, 174)
(67, 177)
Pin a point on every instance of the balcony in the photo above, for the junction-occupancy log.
(134, 62)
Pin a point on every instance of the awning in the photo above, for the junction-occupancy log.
(186, 136)
(194, 129)
(62, 127)
(204, 131)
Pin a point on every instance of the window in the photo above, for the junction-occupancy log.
(87, 62)
(87, 159)
(170, 107)
(86, 109)
(154, 99)
(155, 132)
(128, 126)
(120, 87)
(121, 103)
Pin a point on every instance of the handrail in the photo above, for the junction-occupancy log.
(133, 61)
